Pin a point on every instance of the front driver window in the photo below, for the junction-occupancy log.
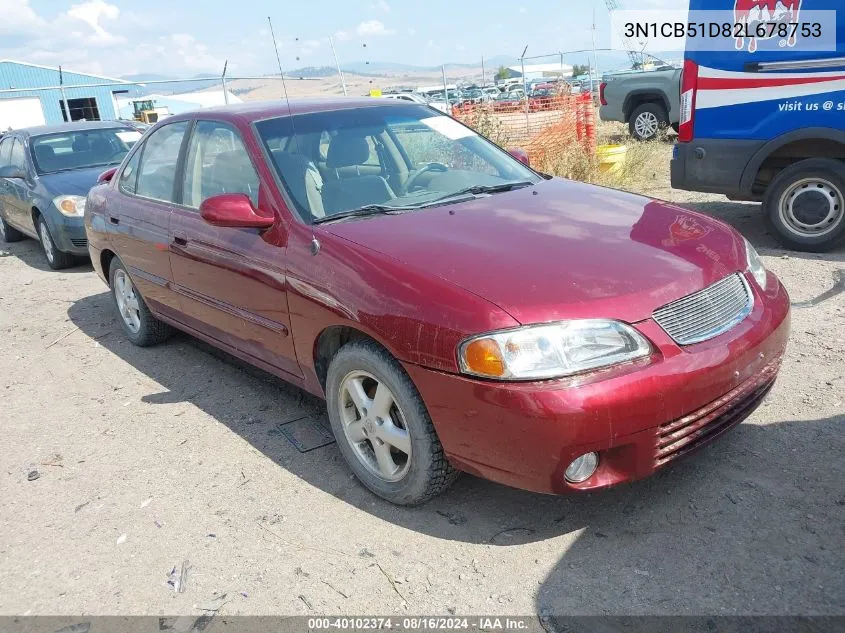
(217, 162)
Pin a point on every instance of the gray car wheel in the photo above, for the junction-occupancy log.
(56, 259)
(9, 234)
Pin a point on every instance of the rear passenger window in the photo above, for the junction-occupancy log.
(157, 170)
(217, 162)
(129, 175)
(5, 150)
(18, 157)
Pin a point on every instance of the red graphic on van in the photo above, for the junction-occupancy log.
(750, 14)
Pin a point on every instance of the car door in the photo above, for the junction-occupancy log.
(18, 202)
(232, 281)
(138, 216)
(5, 190)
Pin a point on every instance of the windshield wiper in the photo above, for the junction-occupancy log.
(479, 190)
(362, 212)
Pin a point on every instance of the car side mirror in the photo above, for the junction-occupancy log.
(521, 155)
(233, 210)
(107, 175)
(11, 171)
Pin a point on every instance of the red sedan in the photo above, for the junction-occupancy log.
(457, 310)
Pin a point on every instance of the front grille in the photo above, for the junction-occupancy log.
(686, 434)
(707, 313)
(79, 242)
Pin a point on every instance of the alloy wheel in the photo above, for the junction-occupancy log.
(46, 242)
(646, 125)
(127, 301)
(374, 426)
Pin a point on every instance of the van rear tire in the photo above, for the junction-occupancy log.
(804, 205)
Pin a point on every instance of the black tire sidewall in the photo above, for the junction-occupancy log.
(658, 110)
(143, 334)
(365, 356)
(60, 258)
(827, 168)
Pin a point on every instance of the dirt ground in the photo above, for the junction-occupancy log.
(119, 464)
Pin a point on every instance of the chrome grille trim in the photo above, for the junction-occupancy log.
(707, 313)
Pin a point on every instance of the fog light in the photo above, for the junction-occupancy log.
(582, 468)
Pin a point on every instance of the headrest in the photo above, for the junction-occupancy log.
(44, 153)
(234, 161)
(348, 149)
(80, 144)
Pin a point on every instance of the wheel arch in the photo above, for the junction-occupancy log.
(106, 258)
(329, 341)
(636, 98)
(789, 148)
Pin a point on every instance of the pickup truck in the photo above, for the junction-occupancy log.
(647, 101)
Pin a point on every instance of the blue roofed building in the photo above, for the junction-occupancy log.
(31, 94)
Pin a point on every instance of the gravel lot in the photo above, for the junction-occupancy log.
(146, 458)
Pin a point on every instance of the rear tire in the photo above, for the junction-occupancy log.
(9, 234)
(417, 468)
(56, 259)
(804, 205)
(139, 325)
(647, 121)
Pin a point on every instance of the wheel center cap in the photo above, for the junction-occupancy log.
(369, 426)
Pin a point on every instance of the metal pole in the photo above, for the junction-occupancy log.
(65, 104)
(223, 81)
(525, 90)
(595, 68)
(483, 76)
(337, 63)
(445, 87)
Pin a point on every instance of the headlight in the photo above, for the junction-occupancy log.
(552, 350)
(755, 265)
(73, 206)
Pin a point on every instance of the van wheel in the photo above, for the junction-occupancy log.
(382, 426)
(139, 325)
(804, 205)
(56, 259)
(647, 121)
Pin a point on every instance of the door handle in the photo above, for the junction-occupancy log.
(180, 239)
(114, 220)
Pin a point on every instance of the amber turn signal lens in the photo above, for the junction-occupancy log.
(68, 206)
(483, 357)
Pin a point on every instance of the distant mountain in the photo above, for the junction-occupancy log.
(387, 68)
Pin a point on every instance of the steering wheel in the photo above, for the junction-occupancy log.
(412, 179)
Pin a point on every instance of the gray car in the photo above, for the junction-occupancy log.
(45, 174)
(647, 101)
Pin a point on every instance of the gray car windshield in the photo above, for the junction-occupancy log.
(384, 159)
(81, 149)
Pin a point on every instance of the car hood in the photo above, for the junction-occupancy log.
(560, 250)
(71, 183)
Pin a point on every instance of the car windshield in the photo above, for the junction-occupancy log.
(384, 159)
(81, 149)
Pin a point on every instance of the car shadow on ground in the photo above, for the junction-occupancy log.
(254, 404)
(753, 525)
(30, 253)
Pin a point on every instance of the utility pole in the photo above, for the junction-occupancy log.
(337, 63)
(595, 68)
(445, 87)
(525, 88)
(223, 81)
(483, 76)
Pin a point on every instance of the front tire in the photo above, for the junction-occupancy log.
(56, 259)
(139, 325)
(804, 205)
(647, 121)
(9, 234)
(382, 426)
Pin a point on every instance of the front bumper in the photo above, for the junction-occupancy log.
(638, 417)
(69, 234)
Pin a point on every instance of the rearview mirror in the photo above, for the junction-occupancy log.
(107, 175)
(10, 171)
(520, 154)
(233, 210)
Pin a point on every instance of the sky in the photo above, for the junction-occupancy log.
(182, 38)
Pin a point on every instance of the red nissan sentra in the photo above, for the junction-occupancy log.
(457, 310)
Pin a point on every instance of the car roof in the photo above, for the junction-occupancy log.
(257, 110)
(75, 126)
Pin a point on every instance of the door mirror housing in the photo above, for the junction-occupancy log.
(233, 210)
(11, 171)
(521, 155)
(107, 175)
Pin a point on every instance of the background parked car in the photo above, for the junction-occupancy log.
(647, 101)
(45, 174)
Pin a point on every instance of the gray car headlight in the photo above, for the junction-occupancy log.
(755, 265)
(551, 350)
(72, 206)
